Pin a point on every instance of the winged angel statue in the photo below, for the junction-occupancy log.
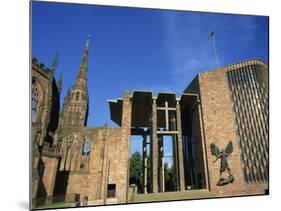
(223, 154)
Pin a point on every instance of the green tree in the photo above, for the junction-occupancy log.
(169, 177)
(136, 170)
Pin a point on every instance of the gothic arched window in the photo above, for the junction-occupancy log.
(35, 98)
(77, 96)
(86, 147)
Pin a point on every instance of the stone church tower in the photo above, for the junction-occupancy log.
(70, 139)
(75, 107)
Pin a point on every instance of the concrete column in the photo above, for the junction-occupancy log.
(125, 147)
(180, 149)
(151, 160)
(144, 169)
(154, 145)
(202, 138)
(103, 183)
(175, 161)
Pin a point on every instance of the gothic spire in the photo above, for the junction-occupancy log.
(68, 92)
(55, 63)
(60, 83)
(77, 96)
(81, 78)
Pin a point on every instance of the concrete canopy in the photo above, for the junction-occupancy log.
(142, 105)
(163, 97)
(188, 101)
(141, 108)
(115, 107)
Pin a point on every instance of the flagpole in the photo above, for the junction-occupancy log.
(212, 35)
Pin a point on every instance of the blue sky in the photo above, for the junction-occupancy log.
(140, 49)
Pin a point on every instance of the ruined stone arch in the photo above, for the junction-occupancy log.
(71, 131)
(73, 153)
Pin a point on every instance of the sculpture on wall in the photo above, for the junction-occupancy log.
(223, 155)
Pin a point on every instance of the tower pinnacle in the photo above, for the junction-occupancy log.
(75, 108)
(81, 79)
(60, 82)
(88, 40)
(55, 62)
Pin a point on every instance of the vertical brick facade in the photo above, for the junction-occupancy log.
(219, 128)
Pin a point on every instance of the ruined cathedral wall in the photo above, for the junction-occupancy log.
(117, 164)
(117, 155)
(42, 84)
(47, 182)
(107, 166)
(89, 182)
(84, 184)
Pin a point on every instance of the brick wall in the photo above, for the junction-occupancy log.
(84, 184)
(117, 163)
(219, 128)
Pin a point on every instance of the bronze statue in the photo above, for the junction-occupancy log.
(223, 155)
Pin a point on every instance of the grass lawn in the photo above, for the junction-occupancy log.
(56, 205)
